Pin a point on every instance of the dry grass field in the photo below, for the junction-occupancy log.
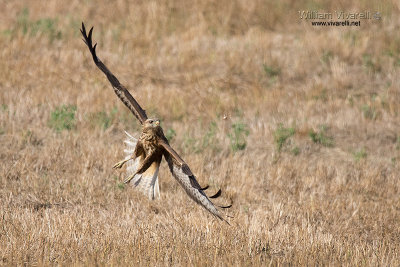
(309, 152)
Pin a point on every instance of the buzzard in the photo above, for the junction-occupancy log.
(145, 154)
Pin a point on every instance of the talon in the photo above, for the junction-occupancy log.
(119, 165)
(127, 180)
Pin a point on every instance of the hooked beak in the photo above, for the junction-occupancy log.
(157, 123)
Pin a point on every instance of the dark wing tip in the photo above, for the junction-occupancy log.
(205, 188)
(94, 48)
(87, 38)
(83, 32)
(225, 207)
(216, 194)
(90, 34)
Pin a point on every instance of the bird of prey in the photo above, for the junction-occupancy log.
(145, 154)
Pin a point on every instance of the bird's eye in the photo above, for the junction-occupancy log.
(151, 121)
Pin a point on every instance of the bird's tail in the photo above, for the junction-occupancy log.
(146, 182)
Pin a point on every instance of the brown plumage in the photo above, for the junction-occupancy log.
(145, 154)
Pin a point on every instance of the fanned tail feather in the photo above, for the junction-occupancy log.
(147, 182)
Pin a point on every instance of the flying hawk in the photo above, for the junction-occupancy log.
(145, 154)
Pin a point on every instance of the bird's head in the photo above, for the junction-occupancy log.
(152, 123)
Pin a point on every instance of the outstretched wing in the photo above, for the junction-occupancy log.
(119, 89)
(182, 173)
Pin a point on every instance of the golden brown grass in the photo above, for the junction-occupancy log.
(306, 203)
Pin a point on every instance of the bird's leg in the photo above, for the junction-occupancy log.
(129, 178)
(121, 163)
(144, 165)
(136, 153)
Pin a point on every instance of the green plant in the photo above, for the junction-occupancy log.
(170, 134)
(238, 135)
(118, 184)
(360, 154)
(208, 138)
(352, 37)
(369, 112)
(23, 20)
(326, 56)
(369, 63)
(281, 135)
(63, 118)
(296, 150)
(46, 26)
(321, 137)
(271, 71)
(189, 142)
(102, 118)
